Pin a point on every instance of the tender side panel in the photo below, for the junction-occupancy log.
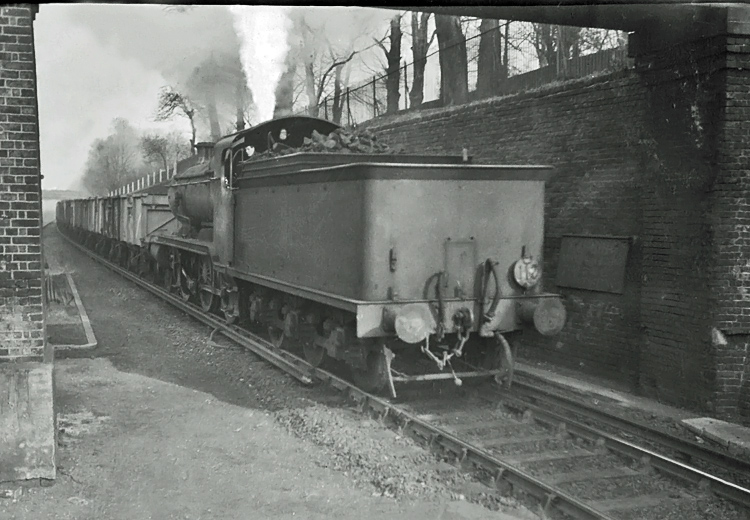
(305, 234)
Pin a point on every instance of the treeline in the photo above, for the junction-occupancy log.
(127, 154)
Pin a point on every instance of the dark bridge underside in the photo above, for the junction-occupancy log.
(665, 21)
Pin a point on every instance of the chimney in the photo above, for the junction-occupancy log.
(204, 150)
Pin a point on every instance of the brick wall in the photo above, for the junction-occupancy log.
(21, 307)
(657, 154)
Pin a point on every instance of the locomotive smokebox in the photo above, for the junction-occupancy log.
(190, 193)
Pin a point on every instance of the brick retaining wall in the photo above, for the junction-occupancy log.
(21, 308)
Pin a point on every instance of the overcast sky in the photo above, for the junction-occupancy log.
(98, 62)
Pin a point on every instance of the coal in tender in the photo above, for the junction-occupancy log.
(340, 141)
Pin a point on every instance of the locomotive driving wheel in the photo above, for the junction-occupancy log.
(172, 272)
(276, 332)
(206, 284)
(187, 282)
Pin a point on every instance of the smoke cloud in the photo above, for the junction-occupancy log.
(193, 48)
(263, 32)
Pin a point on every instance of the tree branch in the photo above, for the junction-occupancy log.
(321, 83)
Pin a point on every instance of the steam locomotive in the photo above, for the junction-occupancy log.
(365, 258)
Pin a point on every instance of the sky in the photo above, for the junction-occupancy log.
(98, 62)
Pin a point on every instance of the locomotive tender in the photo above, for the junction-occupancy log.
(349, 256)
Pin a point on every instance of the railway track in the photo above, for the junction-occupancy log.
(683, 449)
(516, 446)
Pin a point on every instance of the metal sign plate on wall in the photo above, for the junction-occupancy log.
(594, 263)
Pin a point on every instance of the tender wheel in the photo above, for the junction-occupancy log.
(206, 283)
(374, 378)
(276, 336)
(314, 354)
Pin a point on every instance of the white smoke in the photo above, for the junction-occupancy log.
(262, 31)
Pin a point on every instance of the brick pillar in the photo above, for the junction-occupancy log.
(684, 87)
(697, 220)
(730, 218)
(22, 334)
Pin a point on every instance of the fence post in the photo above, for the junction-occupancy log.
(406, 87)
(374, 98)
(348, 108)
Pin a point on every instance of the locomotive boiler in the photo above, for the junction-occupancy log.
(367, 258)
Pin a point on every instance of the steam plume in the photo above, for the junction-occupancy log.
(262, 31)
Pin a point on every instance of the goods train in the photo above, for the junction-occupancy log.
(366, 258)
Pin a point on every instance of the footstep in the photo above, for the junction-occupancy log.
(79, 501)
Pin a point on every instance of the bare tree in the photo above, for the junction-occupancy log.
(556, 44)
(324, 68)
(113, 161)
(211, 80)
(393, 68)
(597, 40)
(172, 102)
(337, 108)
(420, 45)
(318, 67)
(490, 66)
(454, 73)
(163, 150)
